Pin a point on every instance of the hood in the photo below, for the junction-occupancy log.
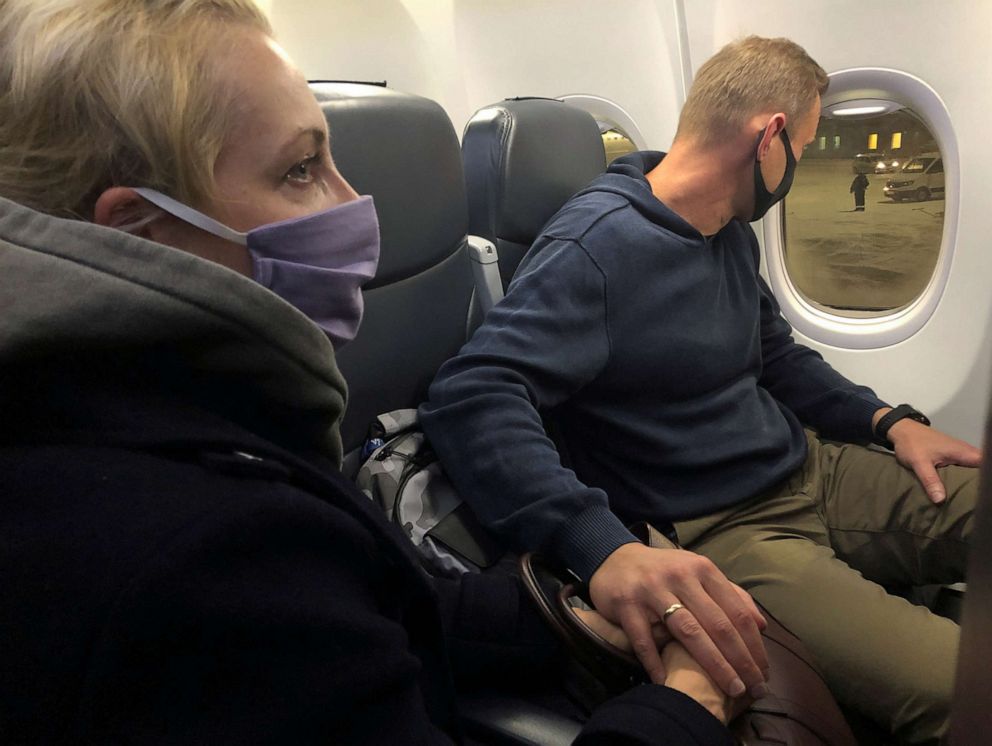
(626, 177)
(83, 306)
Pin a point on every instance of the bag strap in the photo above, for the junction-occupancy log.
(616, 669)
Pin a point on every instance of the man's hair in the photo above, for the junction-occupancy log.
(101, 93)
(748, 77)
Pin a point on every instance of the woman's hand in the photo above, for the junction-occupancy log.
(682, 671)
(688, 677)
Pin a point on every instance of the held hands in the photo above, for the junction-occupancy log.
(683, 672)
(718, 624)
(922, 449)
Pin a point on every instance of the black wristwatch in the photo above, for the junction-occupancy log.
(887, 420)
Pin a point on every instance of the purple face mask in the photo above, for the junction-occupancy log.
(318, 263)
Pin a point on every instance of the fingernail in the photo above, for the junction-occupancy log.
(760, 690)
(737, 688)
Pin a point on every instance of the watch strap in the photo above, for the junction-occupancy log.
(886, 421)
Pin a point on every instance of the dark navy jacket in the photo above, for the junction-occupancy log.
(180, 560)
(169, 577)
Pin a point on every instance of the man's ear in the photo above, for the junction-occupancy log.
(772, 127)
(119, 207)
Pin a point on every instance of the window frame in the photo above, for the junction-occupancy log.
(609, 113)
(884, 330)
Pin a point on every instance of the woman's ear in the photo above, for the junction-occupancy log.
(122, 208)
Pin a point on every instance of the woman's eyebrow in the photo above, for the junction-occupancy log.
(316, 136)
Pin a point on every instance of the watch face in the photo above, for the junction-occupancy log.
(907, 412)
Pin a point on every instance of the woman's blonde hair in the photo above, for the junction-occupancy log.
(749, 77)
(101, 93)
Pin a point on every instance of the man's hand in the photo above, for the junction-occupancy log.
(719, 623)
(922, 449)
(615, 635)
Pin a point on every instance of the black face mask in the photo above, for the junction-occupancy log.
(763, 199)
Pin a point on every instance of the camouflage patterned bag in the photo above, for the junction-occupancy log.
(403, 476)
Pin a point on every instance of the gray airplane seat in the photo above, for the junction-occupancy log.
(403, 150)
(524, 157)
(971, 711)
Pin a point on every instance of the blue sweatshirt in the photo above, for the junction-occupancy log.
(663, 357)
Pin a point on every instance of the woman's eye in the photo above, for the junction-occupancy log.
(303, 171)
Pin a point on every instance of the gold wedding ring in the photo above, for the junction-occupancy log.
(671, 610)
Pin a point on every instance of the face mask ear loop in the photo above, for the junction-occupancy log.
(191, 216)
(757, 144)
(784, 137)
(790, 157)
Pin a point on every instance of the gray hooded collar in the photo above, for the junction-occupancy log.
(72, 291)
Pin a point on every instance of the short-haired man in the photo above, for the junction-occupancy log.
(638, 321)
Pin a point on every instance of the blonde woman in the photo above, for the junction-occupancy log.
(181, 560)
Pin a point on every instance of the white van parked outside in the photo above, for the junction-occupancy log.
(921, 178)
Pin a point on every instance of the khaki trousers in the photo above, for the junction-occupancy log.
(816, 550)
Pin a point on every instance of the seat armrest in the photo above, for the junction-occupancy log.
(502, 720)
(485, 270)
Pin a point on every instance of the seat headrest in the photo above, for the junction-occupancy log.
(524, 158)
(416, 179)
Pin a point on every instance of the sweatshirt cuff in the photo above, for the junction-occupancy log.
(588, 539)
(865, 407)
(642, 714)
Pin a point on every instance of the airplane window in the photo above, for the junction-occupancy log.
(619, 131)
(862, 227)
(616, 142)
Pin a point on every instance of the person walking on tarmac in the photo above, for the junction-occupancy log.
(858, 187)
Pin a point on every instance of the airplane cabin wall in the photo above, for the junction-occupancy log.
(466, 54)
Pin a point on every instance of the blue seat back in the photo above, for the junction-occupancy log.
(403, 150)
(524, 157)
